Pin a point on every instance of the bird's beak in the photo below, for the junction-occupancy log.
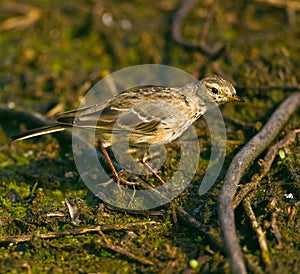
(236, 98)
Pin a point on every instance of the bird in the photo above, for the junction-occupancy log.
(143, 115)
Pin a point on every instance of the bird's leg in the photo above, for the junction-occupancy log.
(114, 172)
(110, 163)
(142, 160)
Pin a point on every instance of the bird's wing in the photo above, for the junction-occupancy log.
(108, 109)
(139, 112)
(105, 114)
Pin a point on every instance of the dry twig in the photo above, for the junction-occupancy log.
(275, 229)
(106, 243)
(266, 166)
(31, 16)
(236, 170)
(213, 52)
(259, 232)
(88, 229)
(187, 219)
(74, 231)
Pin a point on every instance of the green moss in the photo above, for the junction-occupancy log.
(56, 60)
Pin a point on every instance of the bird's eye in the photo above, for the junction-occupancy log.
(214, 90)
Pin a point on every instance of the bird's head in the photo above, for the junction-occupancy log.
(220, 90)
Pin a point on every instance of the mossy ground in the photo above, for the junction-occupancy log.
(68, 49)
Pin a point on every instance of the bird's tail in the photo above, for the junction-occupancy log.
(38, 131)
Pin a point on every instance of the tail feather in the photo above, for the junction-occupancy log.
(38, 131)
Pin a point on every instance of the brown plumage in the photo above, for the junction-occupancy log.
(144, 115)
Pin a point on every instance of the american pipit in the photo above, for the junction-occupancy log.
(144, 115)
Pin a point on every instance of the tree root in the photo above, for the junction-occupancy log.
(236, 170)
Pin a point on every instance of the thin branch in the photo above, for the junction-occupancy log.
(106, 243)
(188, 220)
(30, 16)
(259, 232)
(275, 229)
(213, 52)
(208, 21)
(74, 231)
(236, 170)
(266, 166)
